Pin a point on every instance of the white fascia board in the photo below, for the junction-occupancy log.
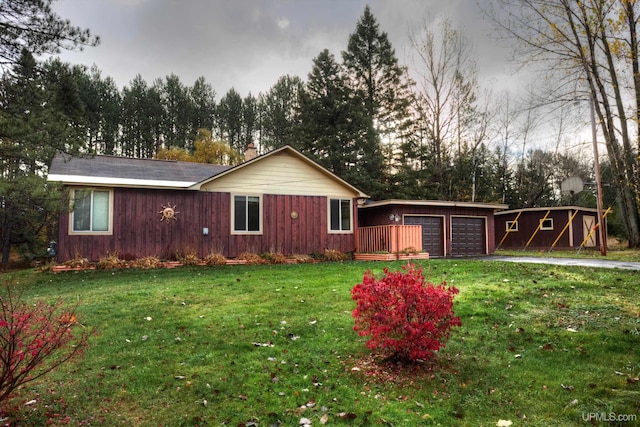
(118, 182)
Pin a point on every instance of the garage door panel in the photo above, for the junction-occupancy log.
(468, 236)
(432, 233)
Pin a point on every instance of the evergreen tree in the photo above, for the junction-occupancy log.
(385, 88)
(333, 126)
(178, 108)
(32, 25)
(204, 105)
(229, 119)
(250, 120)
(143, 118)
(279, 109)
(102, 108)
(40, 114)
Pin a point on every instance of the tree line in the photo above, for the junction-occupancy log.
(423, 131)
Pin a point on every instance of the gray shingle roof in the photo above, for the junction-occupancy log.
(132, 169)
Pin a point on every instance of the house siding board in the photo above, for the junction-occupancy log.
(138, 231)
(528, 222)
(280, 173)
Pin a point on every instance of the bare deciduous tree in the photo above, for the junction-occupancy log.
(589, 50)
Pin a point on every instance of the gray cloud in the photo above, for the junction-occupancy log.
(248, 44)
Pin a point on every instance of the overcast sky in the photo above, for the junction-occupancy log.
(249, 44)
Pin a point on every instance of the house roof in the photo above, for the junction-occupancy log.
(550, 208)
(168, 174)
(433, 203)
(129, 172)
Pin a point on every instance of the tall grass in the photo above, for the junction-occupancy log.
(272, 344)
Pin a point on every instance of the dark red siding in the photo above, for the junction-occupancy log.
(543, 239)
(138, 231)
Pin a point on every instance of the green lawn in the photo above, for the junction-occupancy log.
(270, 345)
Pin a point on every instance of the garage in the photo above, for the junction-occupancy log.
(468, 236)
(432, 233)
(447, 228)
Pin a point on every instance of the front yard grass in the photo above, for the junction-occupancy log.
(270, 345)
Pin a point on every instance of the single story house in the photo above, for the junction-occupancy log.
(446, 229)
(562, 227)
(280, 201)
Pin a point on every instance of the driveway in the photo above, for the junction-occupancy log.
(597, 263)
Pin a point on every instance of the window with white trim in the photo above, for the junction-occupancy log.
(92, 211)
(546, 224)
(247, 214)
(340, 215)
(511, 226)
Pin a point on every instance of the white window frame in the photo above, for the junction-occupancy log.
(509, 228)
(546, 227)
(340, 200)
(91, 232)
(233, 214)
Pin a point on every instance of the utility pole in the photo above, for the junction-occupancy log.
(601, 226)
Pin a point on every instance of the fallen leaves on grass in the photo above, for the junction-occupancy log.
(390, 372)
(263, 344)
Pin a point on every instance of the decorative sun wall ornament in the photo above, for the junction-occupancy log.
(169, 213)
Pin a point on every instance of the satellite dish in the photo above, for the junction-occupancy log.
(572, 185)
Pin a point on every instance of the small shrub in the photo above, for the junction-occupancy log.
(409, 251)
(111, 262)
(147, 263)
(335, 255)
(405, 318)
(34, 340)
(188, 258)
(78, 262)
(215, 259)
(302, 258)
(252, 258)
(275, 258)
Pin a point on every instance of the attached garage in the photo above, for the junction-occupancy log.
(448, 229)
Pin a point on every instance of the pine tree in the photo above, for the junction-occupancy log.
(32, 25)
(41, 114)
(333, 126)
(279, 109)
(374, 73)
(229, 119)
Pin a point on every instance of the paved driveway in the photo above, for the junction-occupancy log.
(597, 263)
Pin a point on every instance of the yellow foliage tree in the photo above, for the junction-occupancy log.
(174, 153)
(206, 150)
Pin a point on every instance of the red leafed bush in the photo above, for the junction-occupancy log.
(34, 340)
(405, 318)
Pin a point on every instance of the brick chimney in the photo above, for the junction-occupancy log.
(251, 152)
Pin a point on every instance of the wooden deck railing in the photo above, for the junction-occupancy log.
(389, 238)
